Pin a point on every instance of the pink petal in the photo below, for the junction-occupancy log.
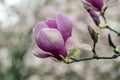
(42, 54)
(50, 40)
(38, 27)
(64, 25)
(51, 23)
(95, 4)
(94, 16)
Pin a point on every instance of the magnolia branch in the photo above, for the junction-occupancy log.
(94, 57)
(113, 31)
(94, 37)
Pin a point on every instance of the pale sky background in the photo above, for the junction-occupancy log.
(8, 17)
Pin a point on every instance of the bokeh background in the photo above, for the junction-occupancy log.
(17, 62)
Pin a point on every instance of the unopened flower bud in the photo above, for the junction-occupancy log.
(93, 34)
(94, 16)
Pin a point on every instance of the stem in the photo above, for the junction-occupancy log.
(93, 50)
(103, 15)
(113, 31)
(111, 42)
(92, 58)
(104, 18)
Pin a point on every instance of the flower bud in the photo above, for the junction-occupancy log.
(93, 34)
(94, 16)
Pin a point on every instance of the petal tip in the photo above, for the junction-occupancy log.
(41, 54)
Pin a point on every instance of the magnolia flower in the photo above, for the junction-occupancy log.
(51, 37)
(94, 16)
(94, 4)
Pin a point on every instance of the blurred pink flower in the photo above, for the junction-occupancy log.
(94, 4)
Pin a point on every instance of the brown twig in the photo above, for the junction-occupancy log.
(94, 57)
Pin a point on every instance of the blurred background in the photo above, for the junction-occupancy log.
(17, 62)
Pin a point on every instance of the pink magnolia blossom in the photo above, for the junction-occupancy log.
(94, 4)
(51, 36)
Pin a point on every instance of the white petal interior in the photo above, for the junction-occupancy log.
(54, 35)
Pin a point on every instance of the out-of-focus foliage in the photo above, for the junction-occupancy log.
(16, 44)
